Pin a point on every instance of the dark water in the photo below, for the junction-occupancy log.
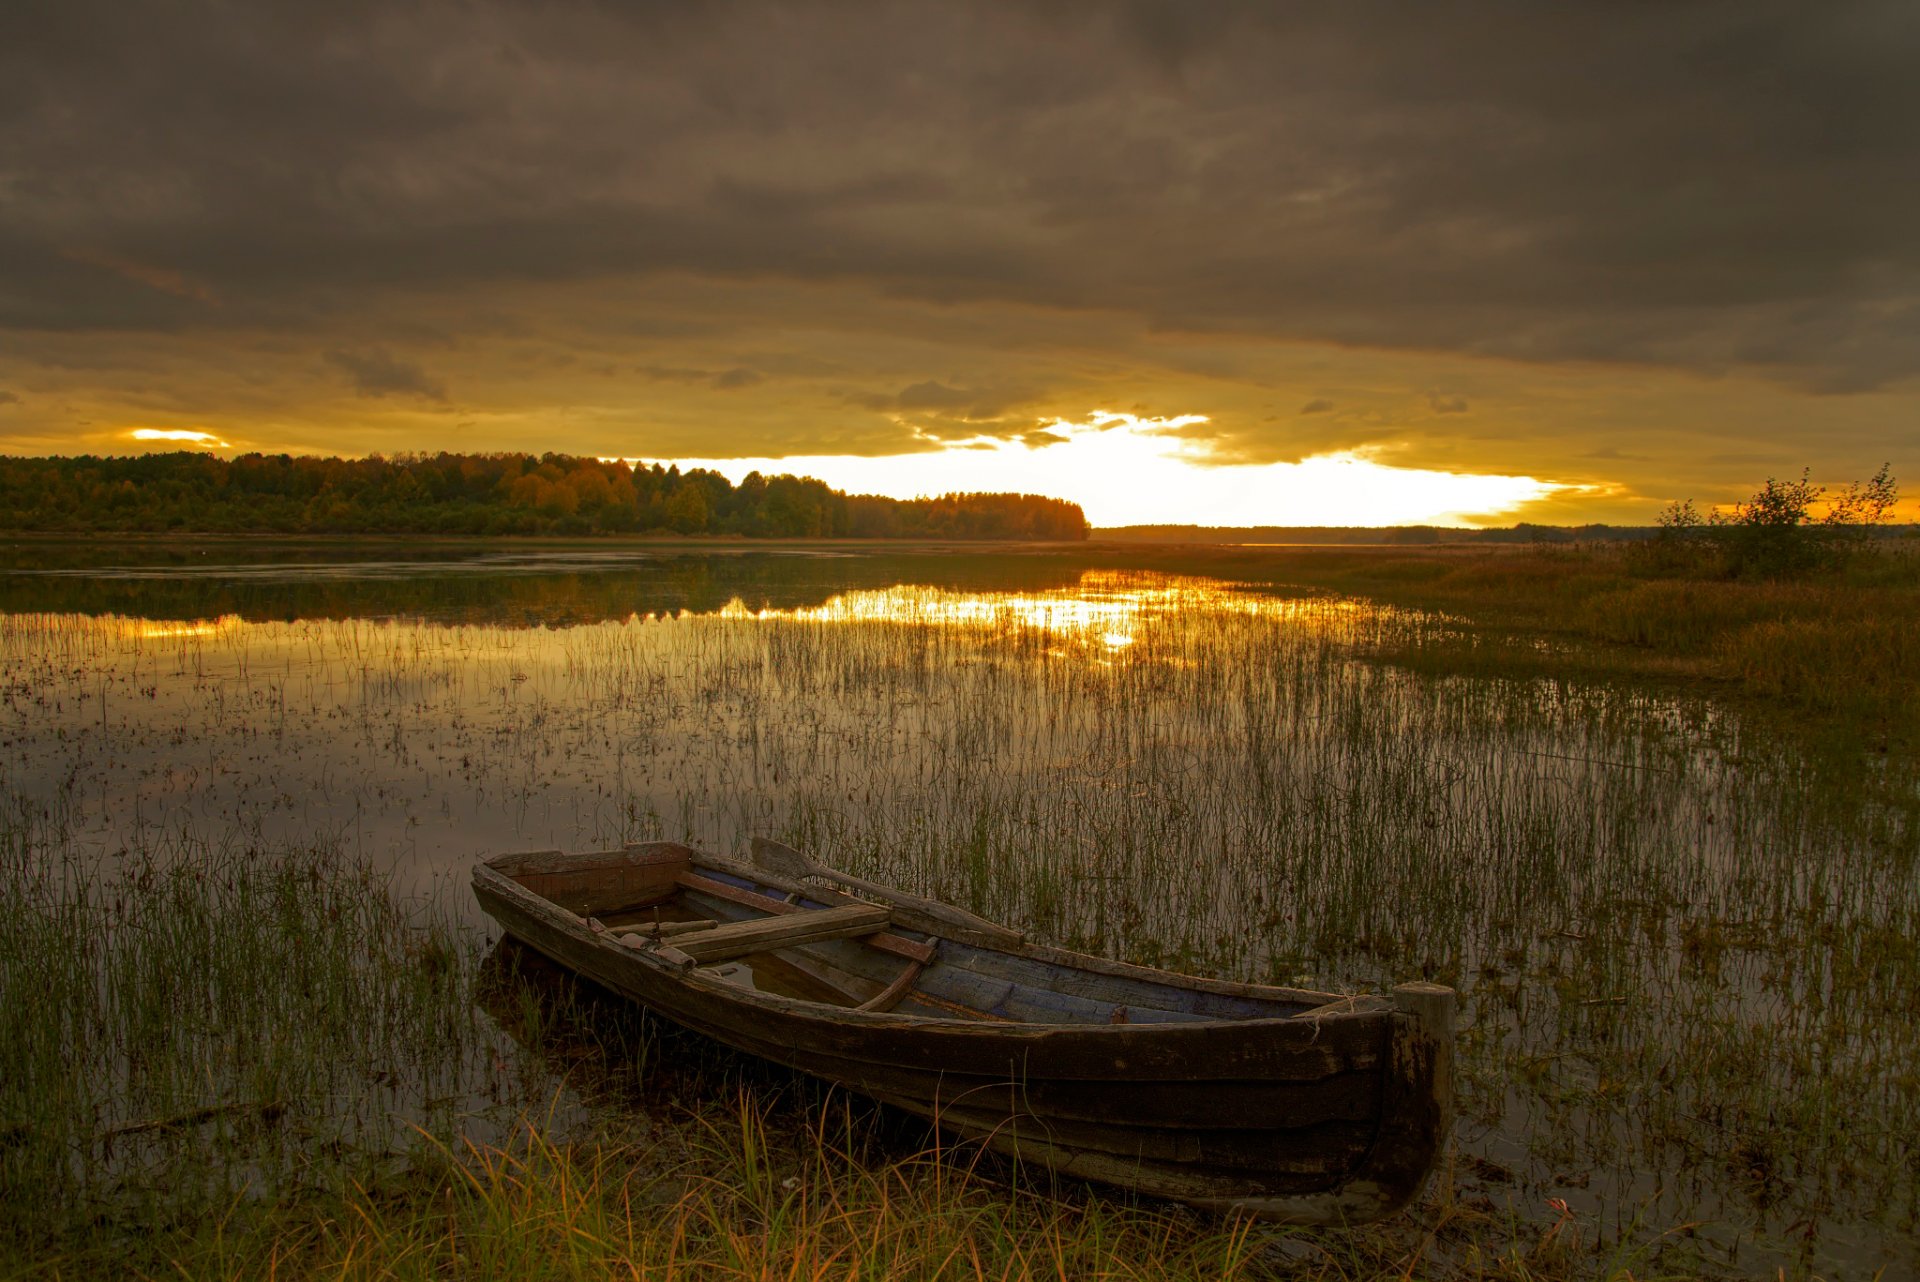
(1685, 953)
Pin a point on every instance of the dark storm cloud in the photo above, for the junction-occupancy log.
(1702, 185)
(8, 398)
(377, 372)
(947, 410)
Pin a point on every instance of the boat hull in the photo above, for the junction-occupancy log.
(1326, 1116)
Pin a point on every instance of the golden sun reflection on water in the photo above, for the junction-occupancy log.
(1106, 610)
(163, 629)
(1099, 616)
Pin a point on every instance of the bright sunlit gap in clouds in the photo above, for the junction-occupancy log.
(179, 435)
(1124, 469)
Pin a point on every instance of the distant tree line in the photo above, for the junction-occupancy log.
(487, 494)
(1779, 532)
(1370, 535)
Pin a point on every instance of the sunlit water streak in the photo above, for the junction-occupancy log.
(1685, 981)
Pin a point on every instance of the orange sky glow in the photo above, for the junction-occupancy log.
(1126, 470)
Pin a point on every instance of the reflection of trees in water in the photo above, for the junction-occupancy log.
(521, 593)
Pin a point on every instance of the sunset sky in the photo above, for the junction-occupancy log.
(1210, 262)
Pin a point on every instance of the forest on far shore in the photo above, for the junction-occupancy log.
(486, 494)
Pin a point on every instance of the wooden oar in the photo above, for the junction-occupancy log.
(778, 857)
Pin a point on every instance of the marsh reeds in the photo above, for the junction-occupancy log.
(188, 1024)
(1829, 651)
(1686, 943)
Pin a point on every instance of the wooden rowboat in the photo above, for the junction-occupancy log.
(1289, 1105)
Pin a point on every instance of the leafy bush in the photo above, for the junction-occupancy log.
(1774, 534)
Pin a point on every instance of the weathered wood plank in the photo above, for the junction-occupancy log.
(948, 1056)
(938, 1006)
(525, 861)
(739, 938)
(1247, 1106)
(1133, 992)
(1315, 1153)
(595, 891)
(850, 967)
(1032, 1003)
(1271, 1049)
(886, 941)
(547, 861)
(777, 856)
(1284, 1197)
(889, 997)
(1278, 1049)
(601, 882)
(1416, 1089)
(662, 929)
(658, 951)
(960, 997)
(905, 917)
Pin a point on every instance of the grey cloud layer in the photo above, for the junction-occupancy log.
(1705, 185)
(377, 372)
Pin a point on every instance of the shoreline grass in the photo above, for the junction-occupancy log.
(1836, 650)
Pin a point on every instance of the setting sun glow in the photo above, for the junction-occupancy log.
(180, 435)
(1127, 470)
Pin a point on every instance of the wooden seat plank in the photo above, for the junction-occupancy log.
(738, 939)
(885, 941)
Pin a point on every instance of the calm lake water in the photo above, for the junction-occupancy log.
(1686, 949)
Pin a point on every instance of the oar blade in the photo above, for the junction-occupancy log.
(778, 857)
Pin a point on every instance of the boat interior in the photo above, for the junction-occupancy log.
(761, 930)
